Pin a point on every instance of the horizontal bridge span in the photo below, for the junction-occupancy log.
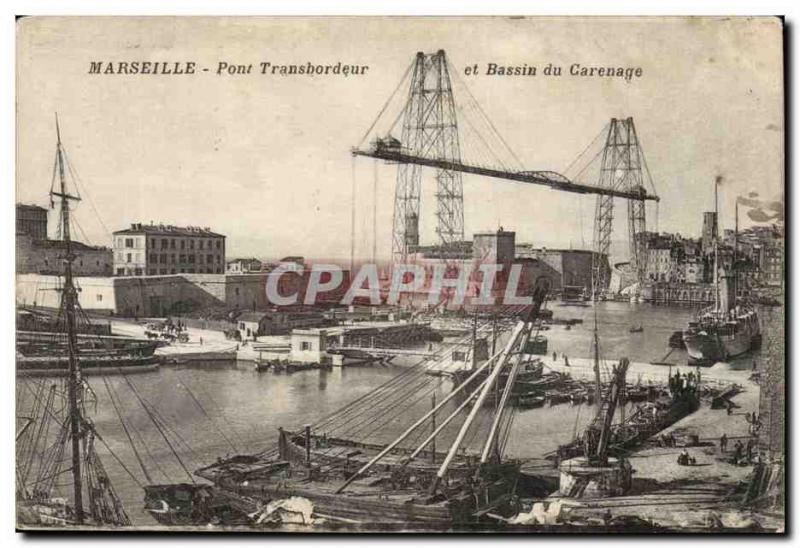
(556, 182)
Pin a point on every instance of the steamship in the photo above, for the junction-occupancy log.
(723, 331)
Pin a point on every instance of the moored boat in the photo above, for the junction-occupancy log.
(727, 329)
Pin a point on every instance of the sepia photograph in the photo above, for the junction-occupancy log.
(374, 274)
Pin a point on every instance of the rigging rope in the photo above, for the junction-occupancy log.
(80, 185)
(585, 150)
(159, 428)
(386, 104)
(485, 117)
(206, 415)
(127, 433)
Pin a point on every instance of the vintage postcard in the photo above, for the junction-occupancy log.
(400, 274)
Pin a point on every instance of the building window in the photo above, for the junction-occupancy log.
(128, 258)
(209, 258)
(305, 345)
(218, 244)
(191, 244)
(183, 244)
(163, 259)
(172, 243)
(137, 271)
(120, 272)
(128, 242)
(172, 258)
(99, 297)
(201, 244)
(164, 243)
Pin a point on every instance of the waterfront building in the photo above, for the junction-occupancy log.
(46, 256)
(564, 267)
(308, 345)
(768, 254)
(32, 220)
(36, 254)
(694, 270)
(243, 266)
(159, 249)
(252, 324)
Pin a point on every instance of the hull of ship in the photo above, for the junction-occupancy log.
(59, 365)
(366, 510)
(195, 504)
(707, 348)
(639, 427)
(265, 480)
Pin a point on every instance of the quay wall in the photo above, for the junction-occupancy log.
(678, 293)
(94, 293)
(141, 296)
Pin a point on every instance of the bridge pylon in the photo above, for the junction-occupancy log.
(620, 169)
(430, 130)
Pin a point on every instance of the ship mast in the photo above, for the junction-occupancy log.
(735, 254)
(598, 384)
(68, 296)
(716, 244)
(597, 381)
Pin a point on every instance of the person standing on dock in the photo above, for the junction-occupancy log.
(737, 452)
(723, 443)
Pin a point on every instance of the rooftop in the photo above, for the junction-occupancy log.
(252, 316)
(31, 207)
(60, 244)
(169, 230)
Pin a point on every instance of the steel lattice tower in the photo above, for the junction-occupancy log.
(621, 169)
(430, 130)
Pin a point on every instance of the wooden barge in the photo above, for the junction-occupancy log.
(395, 493)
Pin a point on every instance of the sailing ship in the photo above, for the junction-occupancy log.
(45, 353)
(41, 459)
(41, 336)
(728, 328)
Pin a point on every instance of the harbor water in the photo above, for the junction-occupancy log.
(212, 410)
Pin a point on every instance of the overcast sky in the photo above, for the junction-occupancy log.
(266, 159)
